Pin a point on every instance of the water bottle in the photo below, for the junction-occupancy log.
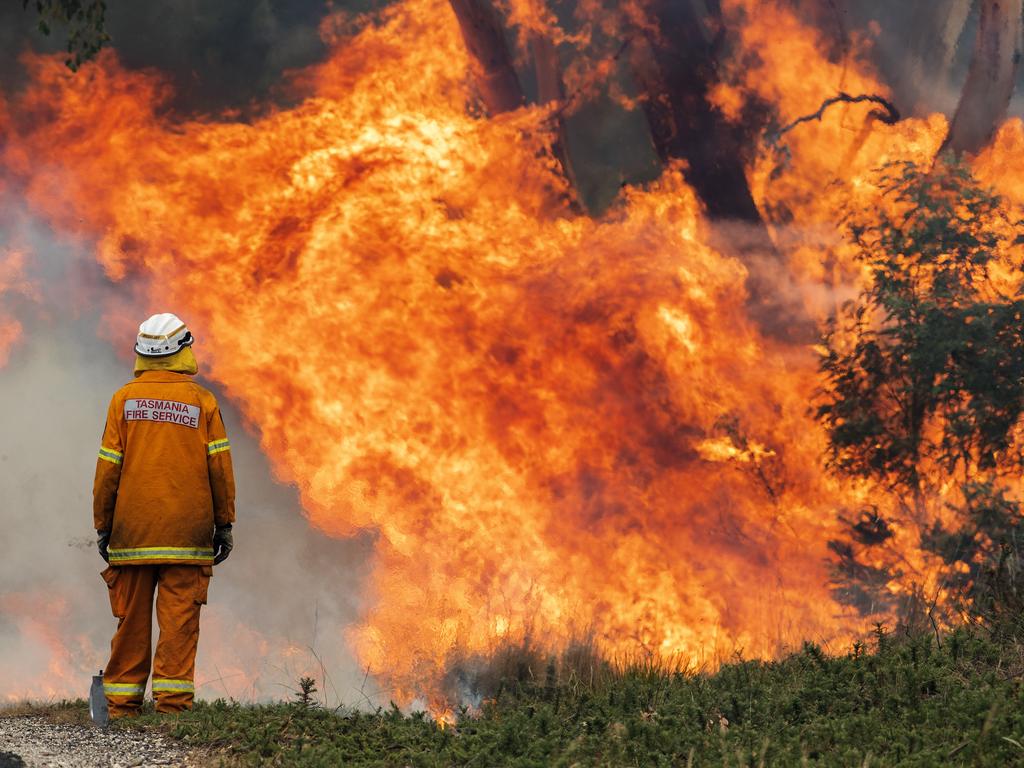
(98, 702)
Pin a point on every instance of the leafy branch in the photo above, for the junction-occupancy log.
(86, 23)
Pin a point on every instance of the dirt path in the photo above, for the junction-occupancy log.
(36, 742)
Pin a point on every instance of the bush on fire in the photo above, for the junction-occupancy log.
(924, 390)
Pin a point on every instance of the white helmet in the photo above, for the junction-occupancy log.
(162, 335)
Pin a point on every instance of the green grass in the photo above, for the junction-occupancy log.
(908, 702)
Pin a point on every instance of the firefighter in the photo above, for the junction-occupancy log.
(163, 506)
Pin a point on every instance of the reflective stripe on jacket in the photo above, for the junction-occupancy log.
(163, 474)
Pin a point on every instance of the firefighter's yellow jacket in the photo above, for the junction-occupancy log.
(163, 476)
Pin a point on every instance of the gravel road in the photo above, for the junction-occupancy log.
(35, 742)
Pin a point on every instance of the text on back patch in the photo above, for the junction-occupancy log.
(165, 411)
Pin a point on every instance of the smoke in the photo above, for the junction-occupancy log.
(922, 56)
(278, 608)
(222, 55)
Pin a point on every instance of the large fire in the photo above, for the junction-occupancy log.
(556, 424)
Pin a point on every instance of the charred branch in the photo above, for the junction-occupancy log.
(493, 69)
(888, 114)
(990, 79)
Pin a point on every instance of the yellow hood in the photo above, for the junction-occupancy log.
(182, 361)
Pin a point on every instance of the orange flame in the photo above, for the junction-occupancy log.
(12, 283)
(42, 626)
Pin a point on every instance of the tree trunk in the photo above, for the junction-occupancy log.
(498, 83)
(990, 79)
(550, 88)
(956, 14)
(674, 68)
(484, 36)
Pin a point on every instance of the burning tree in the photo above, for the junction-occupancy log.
(678, 54)
(924, 377)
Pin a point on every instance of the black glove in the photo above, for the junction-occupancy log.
(223, 543)
(102, 541)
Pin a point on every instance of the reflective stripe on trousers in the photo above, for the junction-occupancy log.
(123, 689)
(160, 684)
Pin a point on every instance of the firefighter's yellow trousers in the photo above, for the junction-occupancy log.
(180, 593)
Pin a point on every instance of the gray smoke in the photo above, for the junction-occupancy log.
(921, 49)
(278, 608)
(217, 55)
